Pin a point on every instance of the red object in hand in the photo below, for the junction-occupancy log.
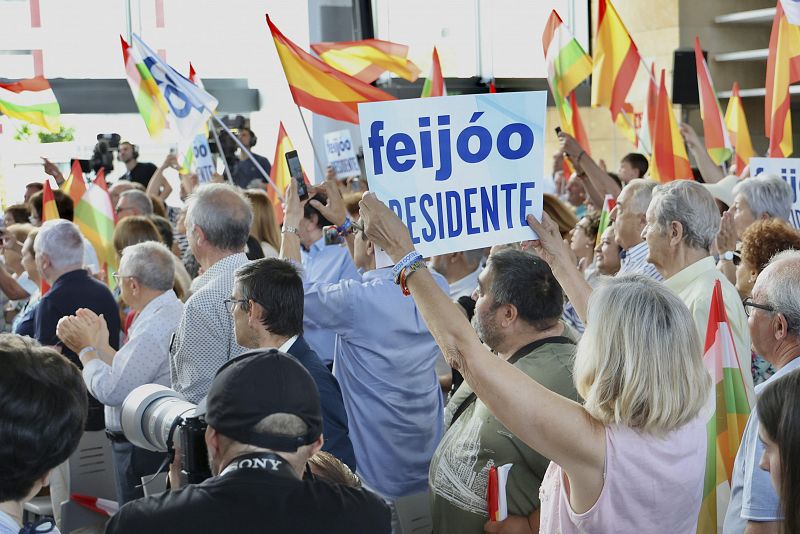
(493, 494)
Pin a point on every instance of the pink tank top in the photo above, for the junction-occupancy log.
(652, 485)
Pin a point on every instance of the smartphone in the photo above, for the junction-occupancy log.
(296, 172)
(558, 130)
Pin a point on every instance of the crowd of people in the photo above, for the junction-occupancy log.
(339, 394)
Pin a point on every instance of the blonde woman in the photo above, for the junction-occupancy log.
(264, 226)
(632, 457)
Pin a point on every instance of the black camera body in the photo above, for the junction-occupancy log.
(194, 452)
(103, 155)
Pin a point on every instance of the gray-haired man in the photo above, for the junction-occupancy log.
(217, 225)
(145, 277)
(682, 223)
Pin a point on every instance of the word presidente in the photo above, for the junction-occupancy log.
(401, 149)
(473, 209)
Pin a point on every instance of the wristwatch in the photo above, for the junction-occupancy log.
(290, 230)
(727, 255)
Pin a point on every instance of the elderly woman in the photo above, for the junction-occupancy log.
(760, 242)
(632, 457)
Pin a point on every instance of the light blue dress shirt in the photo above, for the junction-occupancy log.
(385, 364)
(330, 264)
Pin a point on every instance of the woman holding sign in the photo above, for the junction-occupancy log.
(632, 457)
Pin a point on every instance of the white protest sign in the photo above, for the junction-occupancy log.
(789, 170)
(203, 161)
(462, 172)
(341, 156)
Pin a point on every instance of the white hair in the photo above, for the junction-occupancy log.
(783, 288)
(62, 242)
(767, 194)
(223, 213)
(690, 204)
(640, 191)
(138, 200)
(151, 263)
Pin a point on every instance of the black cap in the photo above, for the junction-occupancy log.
(257, 384)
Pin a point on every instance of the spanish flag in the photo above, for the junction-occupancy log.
(670, 161)
(615, 61)
(366, 60)
(279, 174)
(718, 143)
(49, 208)
(75, 185)
(736, 123)
(319, 87)
(783, 69)
(434, 84)
(49, 213)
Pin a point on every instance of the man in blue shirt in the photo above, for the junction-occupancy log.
(321, 263)
(385, 362)
(267, 308)
(59, 260)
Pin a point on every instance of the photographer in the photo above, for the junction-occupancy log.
(145, 278)
(43, 409)
(264, 423)
(135, 171)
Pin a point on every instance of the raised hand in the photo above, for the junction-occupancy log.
(384, 228)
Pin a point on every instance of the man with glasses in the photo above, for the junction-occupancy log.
(774, 321)
(267, 309)
(145, 277)
(133, 202)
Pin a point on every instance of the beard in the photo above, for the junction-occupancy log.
(486, 328)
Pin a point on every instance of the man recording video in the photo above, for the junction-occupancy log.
(264, 423)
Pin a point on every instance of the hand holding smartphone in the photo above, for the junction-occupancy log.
(296, 172)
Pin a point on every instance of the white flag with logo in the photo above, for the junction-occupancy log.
(792, 10)
(189, 105)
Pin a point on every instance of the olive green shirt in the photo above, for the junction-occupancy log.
(476, 441)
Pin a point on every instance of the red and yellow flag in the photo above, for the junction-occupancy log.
(319, 87)
(783, 69)
(736, 123)
(279, 174)
(718, 143)
(434, 84)
(728, 407)
(615, 60)
(366, 60)
(626, 122)
(75, 186)
(49, 208)
(669, 161)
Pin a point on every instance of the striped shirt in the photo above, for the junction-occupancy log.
(634, 261)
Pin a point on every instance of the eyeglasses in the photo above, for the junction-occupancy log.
(230, 304)
(748, 303)
(118, 277)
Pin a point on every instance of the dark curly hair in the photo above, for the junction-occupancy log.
(765, 238)
(43, 406)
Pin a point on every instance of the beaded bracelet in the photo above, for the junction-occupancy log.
(346, 228)
(409, 258)
(407, 272)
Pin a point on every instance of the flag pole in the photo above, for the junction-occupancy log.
(310, 140)
(636, 132)
(257, 165)
(219, 145)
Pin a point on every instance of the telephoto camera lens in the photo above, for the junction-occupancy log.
(150, 412)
